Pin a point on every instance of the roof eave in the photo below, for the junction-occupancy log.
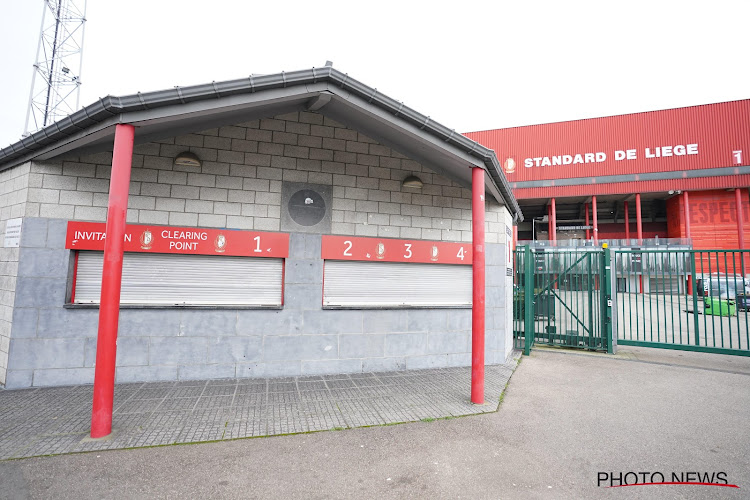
(110, 109)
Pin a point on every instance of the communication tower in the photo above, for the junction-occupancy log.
(56, 82)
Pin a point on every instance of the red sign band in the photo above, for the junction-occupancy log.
(183, 240)
(391, 250)
(697, 137)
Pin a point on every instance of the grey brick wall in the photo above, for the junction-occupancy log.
(13, 194)
(239, 183)
(239, 186)
(51, 345)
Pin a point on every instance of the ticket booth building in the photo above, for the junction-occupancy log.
(280, 225)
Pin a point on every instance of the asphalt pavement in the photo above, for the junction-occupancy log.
(566, 418)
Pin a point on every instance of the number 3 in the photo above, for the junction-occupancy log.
(348, 249)
(407, 255)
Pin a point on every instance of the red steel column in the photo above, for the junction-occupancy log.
(740, 218)
(549, 222)
(627, 222)
(686, 203)
(477, 302)
(596, 220)
(553, 220)
(588, 232)
(740, 227)
(639, 234)
(638, 220)
(109, 307)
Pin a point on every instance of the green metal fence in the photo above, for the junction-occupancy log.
(695, 300)
(518, 322)
(562, 297)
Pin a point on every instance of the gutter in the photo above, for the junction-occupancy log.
(111, 106)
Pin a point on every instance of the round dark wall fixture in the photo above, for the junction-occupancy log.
(306, 207)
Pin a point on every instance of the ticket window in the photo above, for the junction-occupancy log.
(151, 279)
(357, 284)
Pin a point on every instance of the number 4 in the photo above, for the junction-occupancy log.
(460, 253)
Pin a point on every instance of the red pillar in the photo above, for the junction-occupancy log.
(553, 220)
(686, 203)
(627, 222)
(477, 302)
(588, 232)
(638, 220)
(109, 307)
(740, 218)
(549, 222)
(596, 220)
(740, 227)
(639, 233)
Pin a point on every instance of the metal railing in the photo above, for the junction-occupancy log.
(560, 297)
(695, 300)
(519, 266)
(646, 243)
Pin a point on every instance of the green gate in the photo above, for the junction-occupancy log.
(562, 297)
(691, 300)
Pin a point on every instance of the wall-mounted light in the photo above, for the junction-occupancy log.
(187, 159)
(412, 182)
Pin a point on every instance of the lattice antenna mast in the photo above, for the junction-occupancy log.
(56, 82)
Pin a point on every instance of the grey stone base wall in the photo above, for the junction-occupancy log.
(51, 345)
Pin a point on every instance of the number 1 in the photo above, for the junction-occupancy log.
(257, 244)
(737, 157)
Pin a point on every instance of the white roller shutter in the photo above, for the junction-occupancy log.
(170, 279)
(379, 284)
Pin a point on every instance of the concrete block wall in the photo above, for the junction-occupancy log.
(506, 316)
(239, 186)
(52, 345)
(13, 194)
(239, 183)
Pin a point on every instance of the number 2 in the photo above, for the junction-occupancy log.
(347, 250)
(460, 253)
(407, 255)
(257, 244)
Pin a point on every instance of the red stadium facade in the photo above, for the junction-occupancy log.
(635, 176)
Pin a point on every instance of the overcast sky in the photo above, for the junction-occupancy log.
(469, 65)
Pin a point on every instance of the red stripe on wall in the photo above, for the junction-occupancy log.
(718, 130)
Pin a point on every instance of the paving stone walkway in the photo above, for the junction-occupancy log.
(51, 421)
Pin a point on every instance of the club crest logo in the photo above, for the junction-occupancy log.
(510, 165)
(147, 240)
(220, 243)
(381, 250)
(434, 253)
